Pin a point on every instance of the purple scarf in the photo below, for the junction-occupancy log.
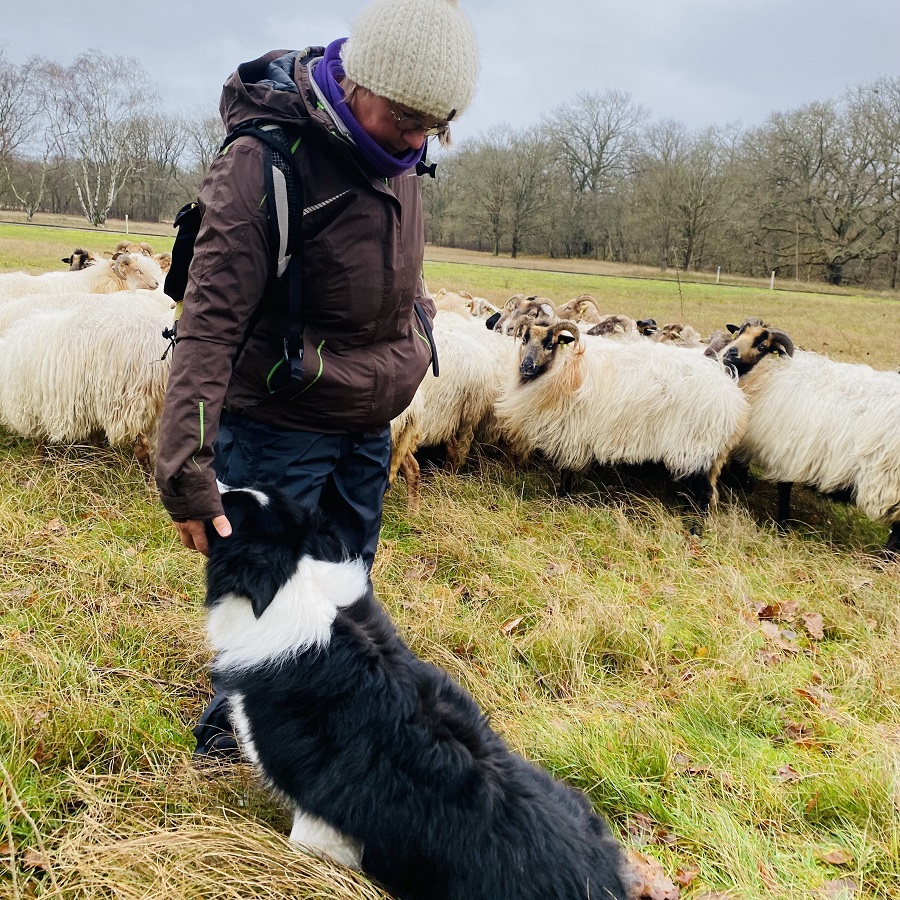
(327, 73)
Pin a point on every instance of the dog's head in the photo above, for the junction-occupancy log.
(270, 533)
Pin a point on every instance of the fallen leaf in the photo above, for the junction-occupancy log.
(768, 878)
(686, 875)
(55, 525)
(648, 881)
(814, 625)
(837, 857)
(800, 734)
(6, 849)
(838, 889)
(787, 773)
(33, 859)
(811, 803)
(510, 625)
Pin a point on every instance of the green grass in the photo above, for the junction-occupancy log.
(674, 679)
(39, 249)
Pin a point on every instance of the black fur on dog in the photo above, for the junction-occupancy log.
(384, 748)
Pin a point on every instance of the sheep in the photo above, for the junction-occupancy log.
(584, 308)
(615, 326)
(134, 247)
(519, 308)
(679, 335)
(66, 374)
(124, 272)
(80, 259)
(18, 308)
(452, 301)
(450, 408)
(580, 401)
(832, 425)
(163, 260)
(646, 327)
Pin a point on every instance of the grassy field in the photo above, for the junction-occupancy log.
(730, 702)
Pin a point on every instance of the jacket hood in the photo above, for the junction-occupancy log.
(274, 87)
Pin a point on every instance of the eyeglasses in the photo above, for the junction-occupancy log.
(408, 122)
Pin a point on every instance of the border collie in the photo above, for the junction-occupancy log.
(389, 765)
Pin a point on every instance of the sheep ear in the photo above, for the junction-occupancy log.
(491, 321)
(733, 328)
(565, 338)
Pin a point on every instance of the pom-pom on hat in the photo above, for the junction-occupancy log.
(418, 53)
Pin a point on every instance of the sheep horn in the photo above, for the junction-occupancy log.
(587, 298)
(782, 341)
(566, 325)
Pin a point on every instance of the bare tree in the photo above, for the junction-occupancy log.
(158, 149)
(24, 150)
(98, 105)
(488, 178)
(822, 197)
(20, 106)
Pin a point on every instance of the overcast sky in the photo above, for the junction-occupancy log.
(703, 62)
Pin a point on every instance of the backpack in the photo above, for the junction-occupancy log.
(284, 202)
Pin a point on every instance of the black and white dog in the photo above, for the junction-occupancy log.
(389, 764)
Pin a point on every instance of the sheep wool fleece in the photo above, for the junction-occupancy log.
(364, 347)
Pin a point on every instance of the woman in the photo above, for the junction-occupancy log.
(363, 109)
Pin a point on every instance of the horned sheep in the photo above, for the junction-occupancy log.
(580, 401)
(124, 272)
(816, 421)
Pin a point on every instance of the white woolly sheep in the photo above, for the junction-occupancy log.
(831, 425)
(67, 374)
(448, 409)
(580, 401)
(125, 272)
(19, 307)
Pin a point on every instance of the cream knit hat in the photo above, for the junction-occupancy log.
(418, 53)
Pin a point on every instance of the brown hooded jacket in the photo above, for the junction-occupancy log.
(365, 351)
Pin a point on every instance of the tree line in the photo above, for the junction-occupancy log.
(812, 193)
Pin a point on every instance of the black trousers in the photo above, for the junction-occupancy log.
(345, 475)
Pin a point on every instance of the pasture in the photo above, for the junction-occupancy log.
(729, 702)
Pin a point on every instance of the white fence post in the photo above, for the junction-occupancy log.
(772, 282)
(126, 223)
(718, 270)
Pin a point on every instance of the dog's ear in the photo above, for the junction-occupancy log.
(240, 566)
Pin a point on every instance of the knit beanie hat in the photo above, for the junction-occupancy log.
(418, 53)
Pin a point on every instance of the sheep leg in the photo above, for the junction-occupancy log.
(458, 448)
(566, 479)
(699, 491)
(784, 504)
(409, 469)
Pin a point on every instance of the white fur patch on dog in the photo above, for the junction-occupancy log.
(242, 727)
(323, 840)
(260, 496)
(299, 616)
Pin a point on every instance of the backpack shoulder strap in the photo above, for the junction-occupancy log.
(284, 196)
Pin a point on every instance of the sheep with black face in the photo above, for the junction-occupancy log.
(580, 401)
(831, 425)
